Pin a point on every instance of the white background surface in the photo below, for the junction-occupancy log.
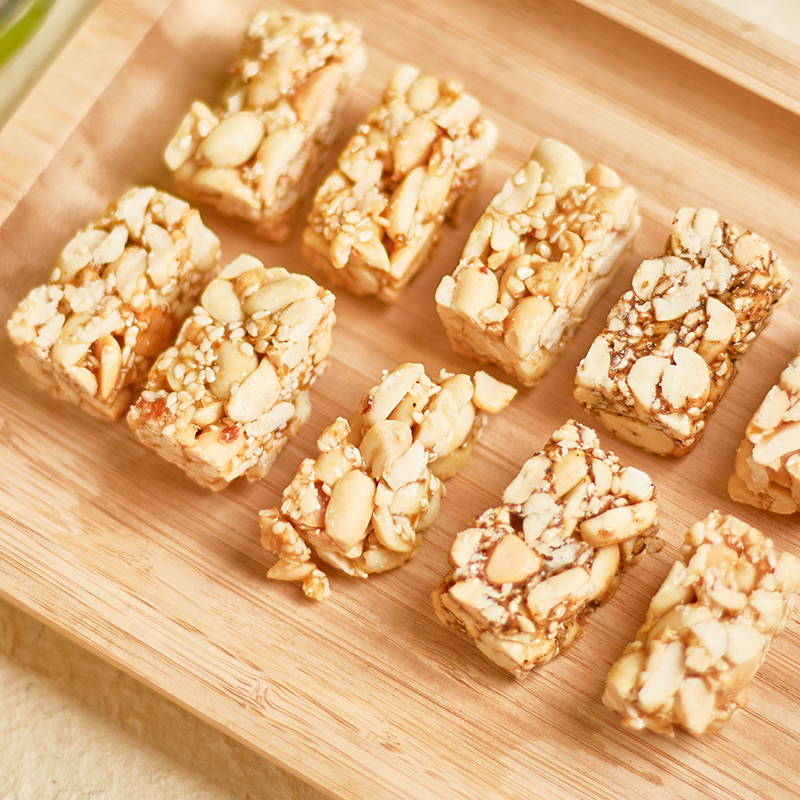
(74, 728)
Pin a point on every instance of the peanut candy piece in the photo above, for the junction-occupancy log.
(767, 469)
(671, 345)
(377, 216)
(376, 484)
(233, 390)
(706, 632)
(545, 248)
(525, 573)
(119, 291)
(255, 155)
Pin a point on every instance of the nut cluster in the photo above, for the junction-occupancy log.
(254, 156)
(526, 571)
(670, 346)
(119, 291)
(376, 484)
(545, 247)
(227, 396)
(707, 630)
(377, 215)
(767, 472)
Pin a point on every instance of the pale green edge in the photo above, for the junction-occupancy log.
(19, 29)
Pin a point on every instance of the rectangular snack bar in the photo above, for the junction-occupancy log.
(415, 157)
(707, 630)
(546, 246)
(255, 155)
(671, 345)
(376, 484)
(120, 290)
(767, 470)
(225, 399)
(525, 573)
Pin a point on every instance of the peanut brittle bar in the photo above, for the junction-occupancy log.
(707, 630)
(525, 573)
(378, 214)
(120, 290)
(255, 155)
(546, 246)
(225, 399)
(376, 484)
(671, 345)
(767, 470)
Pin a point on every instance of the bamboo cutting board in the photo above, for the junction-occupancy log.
(367, 695)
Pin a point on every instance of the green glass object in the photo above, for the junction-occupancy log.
(18, 20)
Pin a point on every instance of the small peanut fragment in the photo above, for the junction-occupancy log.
(491, 395)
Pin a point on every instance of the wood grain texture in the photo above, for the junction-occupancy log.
(719, 40)
(367, 695)
(65, 94)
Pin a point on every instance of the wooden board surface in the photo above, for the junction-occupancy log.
(719, 40)
(367, 695)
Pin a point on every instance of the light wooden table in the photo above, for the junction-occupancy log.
(70, 725)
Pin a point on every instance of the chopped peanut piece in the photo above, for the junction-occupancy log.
(707, 630)
(526, 572)
(377, 482)
(545, 248)
(377, 216)
(255, 155)
(767, 470)
(234, 389)
(671, 345)
(120, 290)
